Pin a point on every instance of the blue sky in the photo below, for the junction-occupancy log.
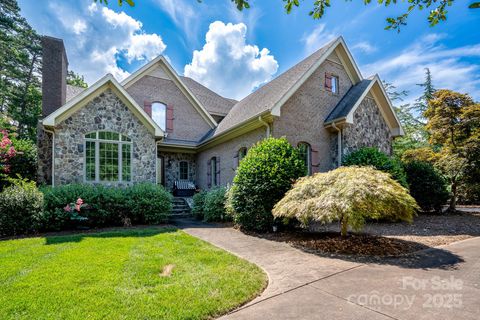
(235, 52)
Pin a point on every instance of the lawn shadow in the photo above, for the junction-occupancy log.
(126, 232)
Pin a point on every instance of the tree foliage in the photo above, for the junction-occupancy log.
(350, 195)
(263, 176)
(20, 63)
(76, 80)
(454, 127)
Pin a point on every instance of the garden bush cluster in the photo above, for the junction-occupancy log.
(210, 205)
(24, 208)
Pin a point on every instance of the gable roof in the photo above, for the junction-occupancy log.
(212, 101)
(344, 110)
(160, 60)
(80, 100)
(271, 96)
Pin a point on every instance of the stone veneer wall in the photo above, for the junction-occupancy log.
(105, 112)
(172, 167)
(44, 161)
(369, 129)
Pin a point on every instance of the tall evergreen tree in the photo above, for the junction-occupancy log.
(20, 64)
(421, 104)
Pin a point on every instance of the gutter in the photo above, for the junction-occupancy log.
(265, 124)
(53, 153)
(339, 143)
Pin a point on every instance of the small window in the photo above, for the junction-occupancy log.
(306, 154)
(183, 167)
(159, 114)
(242, 152)
(331, 83)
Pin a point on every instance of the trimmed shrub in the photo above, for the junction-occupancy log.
(148, 203)
(24, 163)
(214, 206)
(21, 206)
(350, 195)
(379, 160)
(106, 206)
(198, 203)
(263, 176)
(427, 185)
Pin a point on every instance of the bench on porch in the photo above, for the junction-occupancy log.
(183, 188)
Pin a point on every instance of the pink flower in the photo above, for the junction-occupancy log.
(79, 201)
(67, 208)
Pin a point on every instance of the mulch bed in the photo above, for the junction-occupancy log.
(383, 239)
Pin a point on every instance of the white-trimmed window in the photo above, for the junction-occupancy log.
(159, 114)
(305, 151)
(331, 83)
(183, 168)
(108, 157)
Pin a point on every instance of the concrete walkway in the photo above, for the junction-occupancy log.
(441, 283)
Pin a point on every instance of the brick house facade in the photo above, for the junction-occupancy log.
(160, 127)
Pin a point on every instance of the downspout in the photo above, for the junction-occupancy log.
(339, 143)
(265, 124)
(53, 154)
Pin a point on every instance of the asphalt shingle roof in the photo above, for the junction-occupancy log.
(346, 104)
(265, 97)
(72, 91)
(213, 102)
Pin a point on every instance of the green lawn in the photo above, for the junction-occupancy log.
(118, 275)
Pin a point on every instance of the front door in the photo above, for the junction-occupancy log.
(161, 170)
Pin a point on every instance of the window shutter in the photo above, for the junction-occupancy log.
(218, 171)
(147, 107)
(170, 118)
(328, 82)
(209, 173)
(315, 163)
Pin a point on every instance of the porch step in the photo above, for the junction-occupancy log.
(180, 208)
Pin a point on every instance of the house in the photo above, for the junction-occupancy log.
(160, 127)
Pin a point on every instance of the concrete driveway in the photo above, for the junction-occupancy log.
(439, 283)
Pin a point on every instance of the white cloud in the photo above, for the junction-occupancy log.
(97, 38)
(228, 65)
(79, 27)
(317, 38)
(186, 14)
(365, 47)
(452, 68)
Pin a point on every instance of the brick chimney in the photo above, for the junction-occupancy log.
(54, 74)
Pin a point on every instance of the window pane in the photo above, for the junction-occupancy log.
(159, 114)
(106, 135)
(108, 161)
(304, 150)
(183, 170)
(126, 162)
(125, 138)
(90, 160)
(92, 135)
(334, 84)
(241, 154)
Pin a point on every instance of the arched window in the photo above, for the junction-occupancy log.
(306, 153)
(242, 152)
(183, 168)
(159, 114)
(108, 157)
